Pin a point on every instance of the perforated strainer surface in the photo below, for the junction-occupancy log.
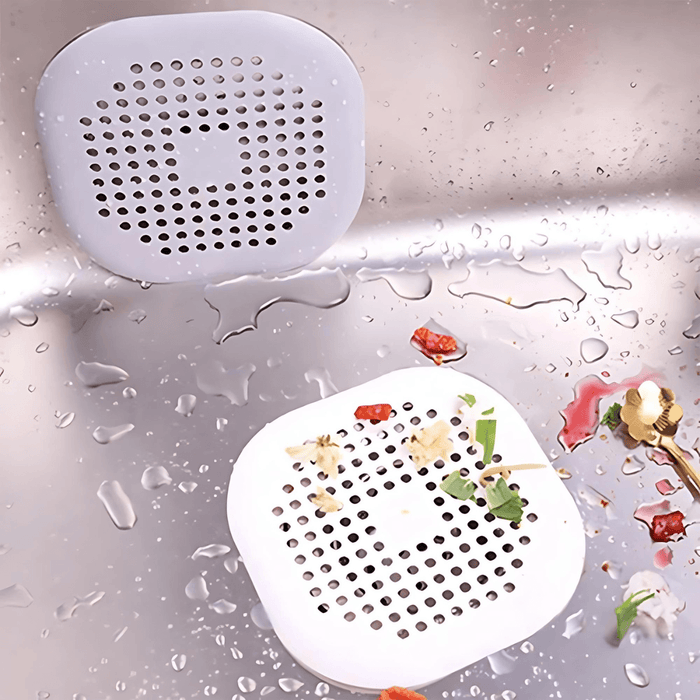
(186, 146)
(405, 584)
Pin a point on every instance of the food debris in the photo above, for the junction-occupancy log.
(486, 436)
(627, 612)
(456, 486)
(397, 693)
(503, 502)
(612, 416)
(325, 502)
(430, 444)
(324, 453)
(563, 473)
(658, 615)
(469, 399)
(668, 527)
(377, 411)
(433, 345)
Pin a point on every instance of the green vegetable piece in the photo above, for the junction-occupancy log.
(486, 435)
(488, 412)
(456, 486)
(612, 416)
(469, 399)
(503, 502)
(628, 611)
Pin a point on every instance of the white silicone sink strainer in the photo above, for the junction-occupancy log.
(187, 146)
(405, 584)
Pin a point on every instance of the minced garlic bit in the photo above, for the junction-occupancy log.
(325, 502)
(430, 444)
(323, 452)
(658, 615)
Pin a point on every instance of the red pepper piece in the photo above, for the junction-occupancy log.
(378, 411)
(664, 527)
(397, 693)
(434, 343)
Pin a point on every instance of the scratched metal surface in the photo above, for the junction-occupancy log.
(545, 136)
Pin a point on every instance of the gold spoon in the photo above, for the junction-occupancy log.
(659, 432)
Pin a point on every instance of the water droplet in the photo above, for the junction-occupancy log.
(104, 305)
(508, 695)
(120, 686)
(475, 691)
(527, 647)
(197, 589)
(213, 379)
(501, 663)
(117, 504)
(94, 374)
(259, 617)
(693, 330)
(42, 347)
(505, 242)
(211, 551)
(593, 349)
(653, 240)
(65, 419)
(628, 319)
(67, 610)
(408, 284)
(602, 209)
(574, 624)
(636, 675)
(120, 633)
(550, 368)
(612, 568)
(665, 487)
(220, 640)
(477, 55)
(246, 684)
(223, 607)
(23, 316)
(4, 549)
(155, 477)
(487, 126)
(137, 315)
(231, 565)
(605, 263)
(476, 231)
(290, 685)
(221, 423)
(633, 84)
(368, 319)
(520, 51)
(676, 350)
(104, 435)
(323, 378)
(539, 239)
(178, 662)
(187, 486)
(267, 690)
(236, 653)
(632, 465)
(320, 288)
(438, 224)
(383, 351)
(15, 596)
(493, 63)
(529, 368)
(129, 393)
(322, 689)
(516, 286)
(185, 404)
(550, 87)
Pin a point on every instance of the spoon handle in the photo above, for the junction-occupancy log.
(685, 470)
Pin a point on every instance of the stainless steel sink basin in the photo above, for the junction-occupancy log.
(545, 153)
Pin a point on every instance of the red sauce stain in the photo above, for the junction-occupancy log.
(605, 374)
(376, 412)
(668, 527)
(433, 345)
(581, 416)
(605, 567)
(663, 558)
(647, 511)
(665, 487)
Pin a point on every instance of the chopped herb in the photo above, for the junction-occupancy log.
(469, 399)
(628, 611)
(488, 412)
(486, 436)
(503, 502)
(612, 416)
(460, 488)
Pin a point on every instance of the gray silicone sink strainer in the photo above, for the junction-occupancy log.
(405, 584)
(188, 146)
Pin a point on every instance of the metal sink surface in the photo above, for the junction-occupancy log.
(531, 172)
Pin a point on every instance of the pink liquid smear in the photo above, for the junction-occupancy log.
(582, 415)
(663, 558)
(665, 487)
(661, 457)
(664, 524)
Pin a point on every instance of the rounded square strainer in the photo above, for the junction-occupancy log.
(406, 584)
(187, 146)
